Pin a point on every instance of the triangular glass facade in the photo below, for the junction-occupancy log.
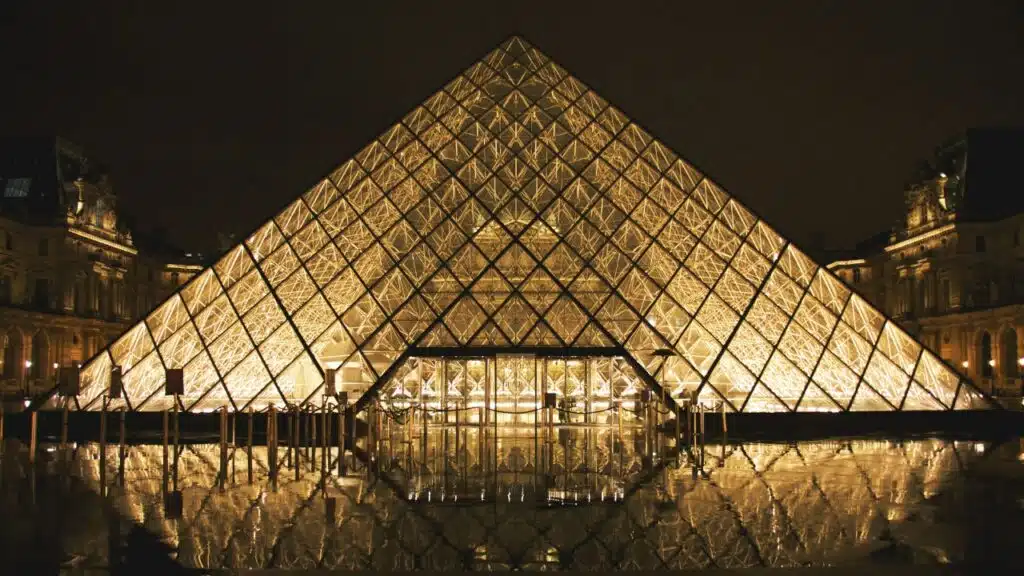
(515, 208)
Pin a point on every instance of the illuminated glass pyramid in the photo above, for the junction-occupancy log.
(517, 209)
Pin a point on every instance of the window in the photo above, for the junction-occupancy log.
(42, 293)
(979, 243)
(17, 188)
(5, 289)
(44, 247)
(945, 297)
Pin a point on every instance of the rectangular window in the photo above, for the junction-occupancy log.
(44, 247)
(17, 188)
(42, 293)
(5, 289)
(944, 294)
(979, 243)
(856, 275)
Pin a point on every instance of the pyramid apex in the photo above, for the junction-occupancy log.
(516, 45)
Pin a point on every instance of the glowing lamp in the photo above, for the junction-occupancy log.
(964, 364)
(991, 362)
(28, 363)
(55, 365)
(1020, 361)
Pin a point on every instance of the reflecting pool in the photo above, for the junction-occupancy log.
(530, 498)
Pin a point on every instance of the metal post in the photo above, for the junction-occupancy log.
(312, 441)
(164, 478)
(725, 424)
(248, 445)
(103, 446)
(34, 432)
(223, 446)
(120, 448)
(272, 444)
(177, 427)
(324, 433)
(297, 432)
(341, 439)
(63, 428)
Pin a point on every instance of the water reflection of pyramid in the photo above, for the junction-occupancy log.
(516, 208)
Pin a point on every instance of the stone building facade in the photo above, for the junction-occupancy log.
(71, 276)
(953, 270)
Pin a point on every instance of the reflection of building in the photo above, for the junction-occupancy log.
(953, 271)
(515, 217)
(71, 276)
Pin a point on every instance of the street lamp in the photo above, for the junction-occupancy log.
(24, 376)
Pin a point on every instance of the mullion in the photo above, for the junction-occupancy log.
(775, 347)
(711, 290)
(861, 377)
(473, 194)
(911, 383)
(255, 346)
(664, 290)
(220, 377)
(824, 349)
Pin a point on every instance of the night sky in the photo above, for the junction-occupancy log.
(213, 116)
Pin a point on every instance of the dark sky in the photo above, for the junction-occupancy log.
(215, 114)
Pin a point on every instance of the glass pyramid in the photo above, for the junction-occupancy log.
(515, 208)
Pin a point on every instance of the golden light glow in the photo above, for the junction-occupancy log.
(516, 208)
(829, 501)
(920, 238)
(184, 268)
(842, 263)
(101, 240)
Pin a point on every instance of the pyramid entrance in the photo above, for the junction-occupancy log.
(516, 209)
(585, 387)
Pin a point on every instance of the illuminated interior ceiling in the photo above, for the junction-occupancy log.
(516, 208)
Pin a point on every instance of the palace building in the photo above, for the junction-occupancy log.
(952, 272)
(71, 276)
(515, 239)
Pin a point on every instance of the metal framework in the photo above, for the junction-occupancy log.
(515, 208)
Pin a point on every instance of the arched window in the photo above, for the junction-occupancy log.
(985, 355)
(1008, 347)
(40, 355)
(12, 354)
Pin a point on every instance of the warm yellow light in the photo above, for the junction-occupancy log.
(964, 364)
(1020, 361)
(991, 362)
(55, 365)
(28, 363)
